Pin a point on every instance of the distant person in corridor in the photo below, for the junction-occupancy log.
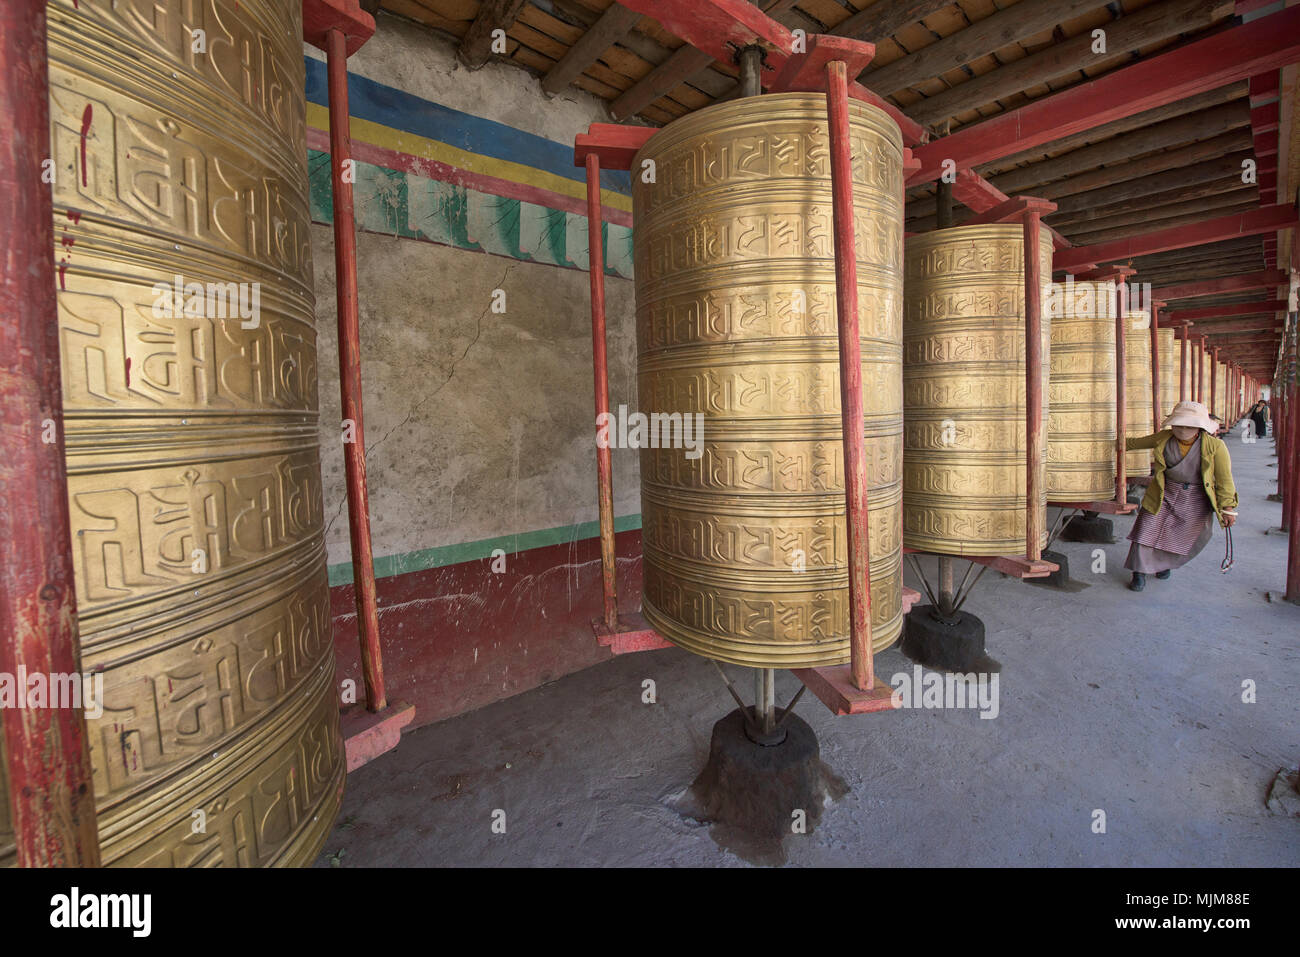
(1192, 483)
(1259, 415)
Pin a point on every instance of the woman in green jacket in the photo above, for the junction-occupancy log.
(1192, 483)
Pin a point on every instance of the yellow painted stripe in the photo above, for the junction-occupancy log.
(376, 134)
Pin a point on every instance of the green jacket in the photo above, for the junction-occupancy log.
(1216, 470)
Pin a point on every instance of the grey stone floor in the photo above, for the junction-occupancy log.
(1127, 703)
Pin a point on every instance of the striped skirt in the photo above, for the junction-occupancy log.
(1174, 535)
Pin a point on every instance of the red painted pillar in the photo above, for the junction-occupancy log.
(1155, 367)
(1121, 396)
(354, 452)
(1183, 333)
(1033, 386)
(862, 667)
(1214, 380)
(1289, 482)
(604, 464)
(51, 795)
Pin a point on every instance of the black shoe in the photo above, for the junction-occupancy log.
(1138, 583)
(1164, 575)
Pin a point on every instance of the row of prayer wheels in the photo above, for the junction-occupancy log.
(745, 546)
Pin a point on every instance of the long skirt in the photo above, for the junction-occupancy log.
(1174, 535)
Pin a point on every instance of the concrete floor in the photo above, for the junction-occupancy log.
(1128, 703)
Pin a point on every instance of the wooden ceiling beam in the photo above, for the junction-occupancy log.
(1151, 24)
(1238, 53)
(1216, 169)
(476, 48)
(1139, 121)
(1000, 29)
(1257, 307)
(615, 23)
(1219, 201)
(1174, 132)
(1232, 142)
(1267, 219)
(1094, 236)
(1256, 280)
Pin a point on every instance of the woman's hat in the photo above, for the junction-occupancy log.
(1193, 414)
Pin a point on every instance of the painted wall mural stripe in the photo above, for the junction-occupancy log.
(396, 203)
(405, 112)
(443, 555)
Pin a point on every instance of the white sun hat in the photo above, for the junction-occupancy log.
(1193, 414)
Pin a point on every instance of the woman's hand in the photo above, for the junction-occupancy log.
(1228, 519)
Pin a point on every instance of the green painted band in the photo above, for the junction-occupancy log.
(443, 555)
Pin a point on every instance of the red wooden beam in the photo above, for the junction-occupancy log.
(806, 72)
(719, 27)
(1257, 307)
(1238, 53)
(1012, 211)
(614, 145)
(1252, 223)
(51, 793)
(346, 17)
(1213, 287)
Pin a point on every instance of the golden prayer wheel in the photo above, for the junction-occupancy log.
(1138, 407)
(745, 554)
(1220, 390)
(1081, 396)
(1168, 372)
(187, 323)
(964, 391)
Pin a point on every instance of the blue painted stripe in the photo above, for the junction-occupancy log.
(404, 111)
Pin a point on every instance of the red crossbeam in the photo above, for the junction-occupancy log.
(319, 17)
(1252, 223)
(1238, 53)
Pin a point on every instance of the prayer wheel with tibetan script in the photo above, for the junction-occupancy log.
(964, 489)
(1138, 406)
(193, 464)
(1168, 372)
(1081, 423)
(745, 554)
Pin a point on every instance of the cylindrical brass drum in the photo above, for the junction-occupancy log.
(187, 325)
(1221, 391)
(1081, 426)
(1138, 406)
(964, 391)
(1168, 372)
(744, 540)
(1207, 371)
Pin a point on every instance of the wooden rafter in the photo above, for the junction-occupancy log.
(476, 48)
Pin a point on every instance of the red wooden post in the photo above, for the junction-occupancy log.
(1214, 379)
(1155, 367)
(1198, 367)
(861, 666)
(51, 794)
(1291, 505)
(1121, 395)
(604, 464)
(354, 452)
(1033, 386)
(1184, 332)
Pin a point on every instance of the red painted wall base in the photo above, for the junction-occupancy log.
(460, 637)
